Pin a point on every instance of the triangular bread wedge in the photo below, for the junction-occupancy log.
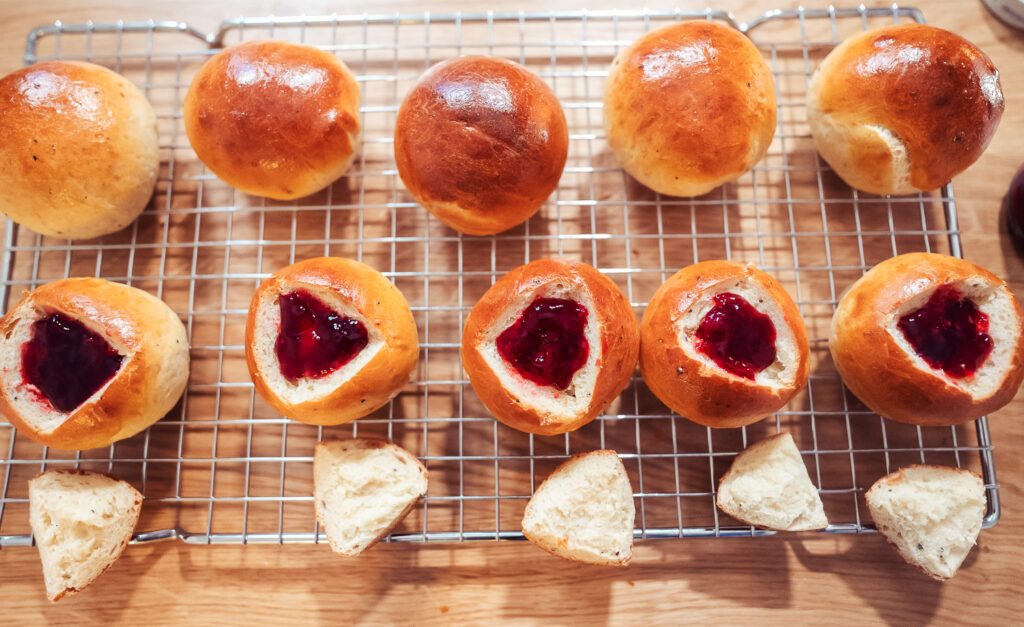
(82, 521)
(584, 511)
(768, 486)
(931, 514)
(362, 488)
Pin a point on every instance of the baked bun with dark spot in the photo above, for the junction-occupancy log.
(903, 109)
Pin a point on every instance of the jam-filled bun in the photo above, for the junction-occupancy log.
(723, 344)
(903, 109)
(550, 345)
(78, 149)
(481, 143)
(86, 362)
(329, 340)
(273, 118)
(689, 106)
(929, 340)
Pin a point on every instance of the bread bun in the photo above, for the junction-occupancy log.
(78, 149)
(481, 143)
(689, 106)
(880, 365)
(273, 118)
(684, 315)
(140, 363)
(357, 377)
(903, 109)
(591, 357)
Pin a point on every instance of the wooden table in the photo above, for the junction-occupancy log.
(806, 577)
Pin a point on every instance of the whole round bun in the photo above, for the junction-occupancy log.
(883, 370)
(78, 149)
(691, 383)
(273, 118)
(611, 332)
(481, 143)
(366, 383)
(150, 380)
(688, 107)
(903, 109)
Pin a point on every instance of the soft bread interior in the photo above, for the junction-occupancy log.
(782, 372)
(857, 151)
(992, 301)
(362, 489)
(268, 326)
(27, 400)
(584, 511)
(81, 523)
(931, 514)
(768, 486)
(548, 402)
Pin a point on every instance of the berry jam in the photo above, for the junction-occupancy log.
(547, 344)
(949, 333)
(67, 361)
(737, 337)
(314, 340)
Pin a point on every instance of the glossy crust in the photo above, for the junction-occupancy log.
(381, 304)
(78, 149)
(936, 92)
(273, 118)
(707, 394)
(881, 374)
(616, 323)
(153, 374)
(689, 106)
(481, 143)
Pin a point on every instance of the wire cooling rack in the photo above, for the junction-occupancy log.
(223, 467)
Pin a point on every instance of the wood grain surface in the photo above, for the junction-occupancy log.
(801, 578)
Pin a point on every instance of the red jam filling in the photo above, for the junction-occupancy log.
(67, 361)
(737, 337)
(547, 344)
(949, 333)
(314, 340)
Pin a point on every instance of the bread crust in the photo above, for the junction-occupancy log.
(689, 106)
(877, 369)
(78, 149)
(543, 543)
(137, 511)
(488, 159)
(616, 323)
(703, 393)
(896, 477)
(152, 376)
(931, 89)
(273, 118)
(370, 443)
(381, 304)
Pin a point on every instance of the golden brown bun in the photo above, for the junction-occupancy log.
(273, 118)
(542, 410)
(694, 386)
(78, 149)
(481, 143)
(878, 365)
(348, 287)
(903, 108)
(688, 107)
(139, 326)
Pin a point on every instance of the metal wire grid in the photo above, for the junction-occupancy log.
(222, 467)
